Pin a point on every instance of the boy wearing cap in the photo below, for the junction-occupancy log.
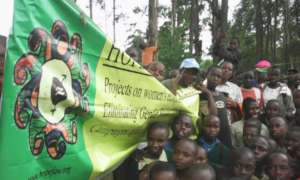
(182, 87)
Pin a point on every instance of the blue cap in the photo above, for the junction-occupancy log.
(189, 63)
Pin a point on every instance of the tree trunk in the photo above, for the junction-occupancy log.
(275, 31)
(224, 15)
(152, 39)
(286, 36)
(173, 14)
(259, 29)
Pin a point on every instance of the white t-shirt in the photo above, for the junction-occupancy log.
(270, 93)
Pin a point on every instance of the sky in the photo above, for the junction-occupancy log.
(103, 18)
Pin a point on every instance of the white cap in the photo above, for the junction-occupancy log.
(189, 63)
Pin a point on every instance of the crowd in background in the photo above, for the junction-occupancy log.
(248, 126)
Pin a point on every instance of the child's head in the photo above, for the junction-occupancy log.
(251, 130)
(250, 108)
(260, 147)
(296, 98)
(297, 117)
(201, 157)
(199, 171)
(182, 126)
(243, 163)
(157, 69)
(157, 136)
(227, 70)
(185, 152)
(210, 127)
(279, 166)
(273, 108)
(162, 171)
(278, 127)
(292, 140)
(274, 75)
(214, 77)
(248, 79)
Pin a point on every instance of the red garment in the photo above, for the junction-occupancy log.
(253, 93)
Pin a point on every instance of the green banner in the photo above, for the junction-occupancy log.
(73, 105)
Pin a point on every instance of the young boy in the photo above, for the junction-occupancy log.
(261, 149)
(278, 131)
(292, 140)
(272, 109)
(199, 172)
(157, 136)
(242, 164)
(162, 171)
(217, 152)
(157, 69)
(276, 90)
(250, 110)
(214, 76)
(182, 127)
(251, 129)
(184, 156)
(201, 157)
(279, 166)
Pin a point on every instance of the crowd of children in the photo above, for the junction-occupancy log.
(247, 129)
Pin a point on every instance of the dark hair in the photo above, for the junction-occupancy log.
(177, 118)
(159, 167)
(246, 104)
(157, 125)
(238, 153)
(279, 152)
(196, 169)
(189, 141)
(253, 122)
(212, 68)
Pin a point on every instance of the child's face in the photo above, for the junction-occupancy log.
(278, 127)
(214, 77)
(203, 175)
(253, 110)
(278, 167)
(274, 76)
(273, 110)
(156, 140)
(201, 157)
(260, 147)
(249, 133)
(188, 76)
(292, 141)
(296, 98)
(184, 127)
(244, 166)
(211, 127)
(184, 154)
(248, 80)
(158, 71)
(165, 175)
(227, 69)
